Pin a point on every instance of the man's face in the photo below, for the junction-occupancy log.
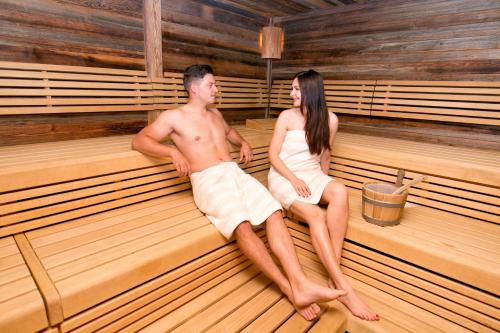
(295, 93)
(205, 89)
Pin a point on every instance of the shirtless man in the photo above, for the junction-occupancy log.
(232, 200)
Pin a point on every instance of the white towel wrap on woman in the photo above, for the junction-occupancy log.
(229, 196)
(305, 166)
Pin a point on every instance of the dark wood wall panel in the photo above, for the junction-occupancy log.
(209, 32)
(64, 33)
(402, 40)
(416, 40)
(109, 33)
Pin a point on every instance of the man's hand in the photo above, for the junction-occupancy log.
(246, 154)
(301, 188)
(181, 164)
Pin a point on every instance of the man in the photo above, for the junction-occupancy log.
(232, 200)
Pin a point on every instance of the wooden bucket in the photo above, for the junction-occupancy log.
(379, 206)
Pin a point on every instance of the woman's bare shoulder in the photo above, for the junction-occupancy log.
(333, 120)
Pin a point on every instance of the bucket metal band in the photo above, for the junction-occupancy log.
(383, 203)
(380, 222)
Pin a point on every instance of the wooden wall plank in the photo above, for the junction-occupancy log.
(417, 40)
(110, 34)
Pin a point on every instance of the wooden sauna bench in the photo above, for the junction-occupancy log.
(96, 236)
(113, 240)
(444, 257)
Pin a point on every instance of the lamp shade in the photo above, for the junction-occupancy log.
(271, 40)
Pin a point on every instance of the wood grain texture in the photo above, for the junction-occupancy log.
(405, 39)
(110, 34)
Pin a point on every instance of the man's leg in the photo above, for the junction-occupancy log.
(304, 291)
(253, 247)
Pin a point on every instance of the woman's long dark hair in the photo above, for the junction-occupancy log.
(313, 107)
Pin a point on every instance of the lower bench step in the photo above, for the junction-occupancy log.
(246, 302)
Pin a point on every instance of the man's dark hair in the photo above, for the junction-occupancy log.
(195, 72)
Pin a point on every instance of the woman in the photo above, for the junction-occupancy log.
(300, 158)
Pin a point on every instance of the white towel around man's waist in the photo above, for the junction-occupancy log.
(229, 196)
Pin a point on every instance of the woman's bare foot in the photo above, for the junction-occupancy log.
(355, 304)
(307, 292)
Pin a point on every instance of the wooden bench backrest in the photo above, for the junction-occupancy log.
(468, 102)
(46, 89)
(469, 199)
(342, 96)
(462, 102)
(234, 93)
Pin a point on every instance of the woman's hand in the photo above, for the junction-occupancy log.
(301, 187)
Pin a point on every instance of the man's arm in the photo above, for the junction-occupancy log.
(147, 141)
(235, 138)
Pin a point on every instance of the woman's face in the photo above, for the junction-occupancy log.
(295, 93)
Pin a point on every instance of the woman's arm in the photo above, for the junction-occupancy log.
(325, 161)
(325, 155)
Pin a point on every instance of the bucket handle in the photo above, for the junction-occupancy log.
(413, 182)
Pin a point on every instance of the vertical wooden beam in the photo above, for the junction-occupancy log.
(153, 44)
(269, 79)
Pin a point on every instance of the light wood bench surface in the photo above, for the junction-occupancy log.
(112, 267)
(408, 298)
(448, 240)
(21, 305)
(82, 177)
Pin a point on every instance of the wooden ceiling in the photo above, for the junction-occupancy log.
(280, 8)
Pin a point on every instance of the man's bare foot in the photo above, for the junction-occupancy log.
(355, 304)
(309, 312)
(308, 292)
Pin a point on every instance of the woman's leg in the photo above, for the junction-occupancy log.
(337, 214)
(322, 243)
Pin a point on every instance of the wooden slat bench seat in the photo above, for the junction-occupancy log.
(248, 302)
(147, 259)
(398, 314)
(444, 257)
(21, 305)
(128, 267)
(107, 253)
(466, 102)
